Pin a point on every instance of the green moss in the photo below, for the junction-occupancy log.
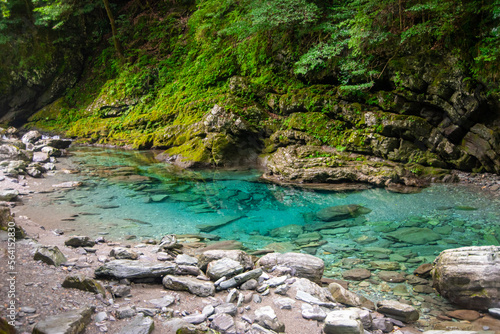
(193, 150)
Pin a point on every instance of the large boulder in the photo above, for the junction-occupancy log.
(302, 265)
(469, 276)
(133, 270)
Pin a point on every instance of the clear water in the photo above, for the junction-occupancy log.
(104, 205)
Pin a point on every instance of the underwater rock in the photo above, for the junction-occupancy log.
(414, 235)
(341, 212)
(302, 265)
(468, 276)
(288, 231)
(356, 274)
(222, 221)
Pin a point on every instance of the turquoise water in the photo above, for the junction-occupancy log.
(176, 201)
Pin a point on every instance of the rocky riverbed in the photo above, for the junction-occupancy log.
(100, 285)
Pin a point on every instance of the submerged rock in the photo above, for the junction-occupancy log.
(468, 276)
(414, 235)
(341, 212)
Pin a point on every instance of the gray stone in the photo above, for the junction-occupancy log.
(122, 253)
(468, 276)
(79, 241)
(301, 265)
(391, 276)
(84, 283)
(313, 312)
(191, 284)
(72, 322)
(343, 322)
(139, 325)
(397, 310)
(227, 308)
(208, 310)
(341, 212)
(237, 255)
(50, 255)
(31, 137)
(276, 281)
(266, 317)
(40, 157)
(101, 316)
(161, 256)
(383, 324)
(349, 298)
(125, 312)
(249, 285)
(27, 309)
(284, 303)
(8, 195)
(495, 312)
(120, 290)
(223, 267)
(258, 329)
(195, 319)
(135, 269)
(223, 323)
(310, 292)
(240, 279)
(165, 301)
(186, 260)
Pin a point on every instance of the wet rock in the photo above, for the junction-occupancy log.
(423, 270)
(414, 235)
(385, 265)
(397, 310)
(313, 312)
(79, 241)
(223, 323)
(391, 276)
(133, 270)
(72, 322)
(222, 221)
(341, 212)
(50, 255)
(357, 274)
(122, 253)
(81, 282)
(423, 289)
(266, 317)
(346, 297)
(469, 315)
(191, 284)
(237, 255)
(223, 267)
(139, 325)
(302, 265)
(468, 276)
(343, 322)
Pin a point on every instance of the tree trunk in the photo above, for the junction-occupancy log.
(116, 42)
